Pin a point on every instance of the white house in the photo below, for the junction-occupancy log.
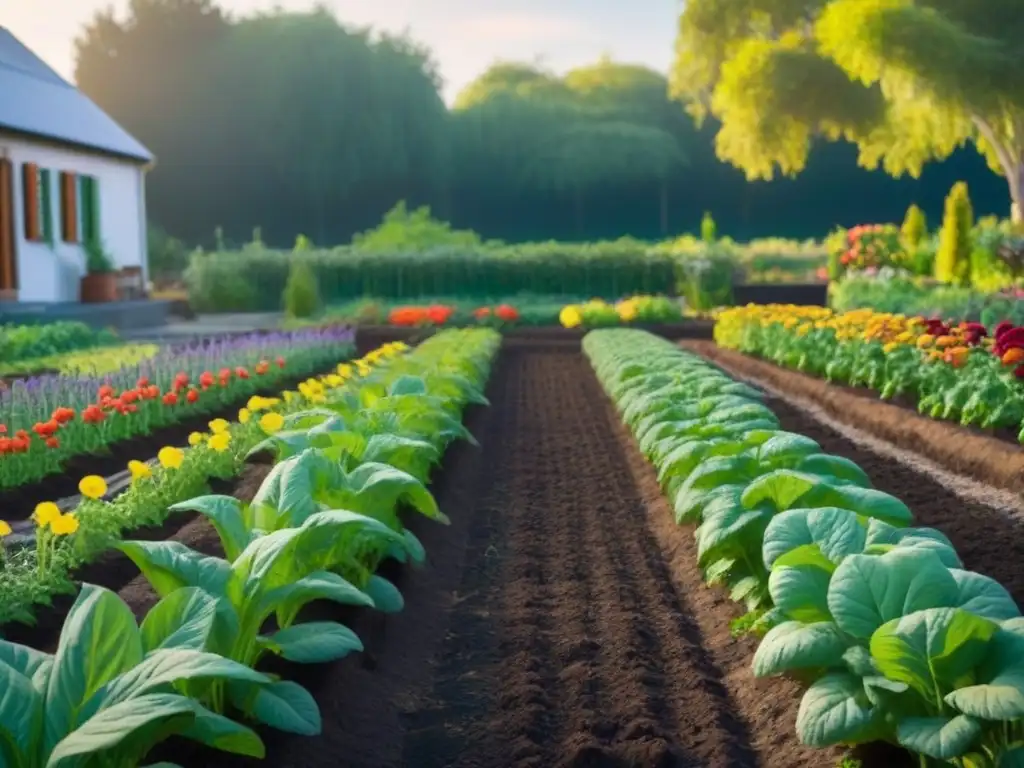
(69, 175)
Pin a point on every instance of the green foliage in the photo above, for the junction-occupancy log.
(708, 230)
(301, 292)
(28, 342)
(404, 230)
(250, 279)
(168, 256)
(97, 259)
(302, 244)
(914, 229)
(953, 260)
(905, 81)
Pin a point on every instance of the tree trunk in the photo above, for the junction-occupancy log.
(1015, 177)
(664, 208)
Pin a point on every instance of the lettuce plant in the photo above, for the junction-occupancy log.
(113, 689)
(274, 575)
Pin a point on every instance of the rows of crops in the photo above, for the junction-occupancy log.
(894, 639)
(347, 450)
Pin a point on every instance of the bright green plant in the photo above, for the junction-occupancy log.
(914, 229)
(115, 689)
(301, 293)
(275, 574)
(708, 228)
(953, 260)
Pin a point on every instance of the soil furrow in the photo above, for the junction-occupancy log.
(588, 654)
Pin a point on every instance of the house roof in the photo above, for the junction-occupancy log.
(39, 102)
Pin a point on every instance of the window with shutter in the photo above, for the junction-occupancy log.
(30, 195)
(88, 193)
(69, 207)
(46, 203)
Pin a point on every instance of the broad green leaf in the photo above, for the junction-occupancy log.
(835, 710)
(793, 645)
(226, 515)
(385, 595)
(781, 488)
(33, 664)
(284, 705)
(864, 501)
(930, 649)
(867, 591)
(171, 565)
(786, 449)
(224, 734)
(835, 466)
(21, 707)
(691, 503)
(381, 487)
(183, 619)
(142, 720)
(315, 642)
(417, 553)
(837, 532)
(729, 527)
(801, 591)
(940, 737)
(162, 667)
(288, 599)
(98, 642)
(983, 596)
(999, 693)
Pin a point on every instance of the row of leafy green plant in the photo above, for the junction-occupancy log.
(894, 639)
(325, 517)
(26, 342)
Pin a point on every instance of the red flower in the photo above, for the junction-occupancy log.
(224, 373)
(21, 434)
(20, 445)
(1007, 339)
(5, 445)
(241, 372)
(170, 399)
(192, 396)
(105, 391)
(180, 381)
(63, 415)
(507, 313)
(439, 314)
(129, 396)
(152, 392)
(93, 415)
(280, 362)
(206, 379)
(262, 367)
(45, 429)
(482, 313)
(142, 383)
(52, 442)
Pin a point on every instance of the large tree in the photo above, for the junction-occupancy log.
(907, 81)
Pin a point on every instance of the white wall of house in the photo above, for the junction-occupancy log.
(48, 273)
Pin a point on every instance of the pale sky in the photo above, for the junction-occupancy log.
(464, 35)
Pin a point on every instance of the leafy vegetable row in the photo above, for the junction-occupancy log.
(895, 639)
(324, 519)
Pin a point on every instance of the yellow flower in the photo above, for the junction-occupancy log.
(344, 369)
(271, 422)
(64, 524)
(219, 425)
(5, 529)
(45, 513)
(627, 310)
(93, 487)
(570, 316)
(890, 347)
(924, 340)
(170, 458)
(220, 442)
(195, 438)
(289, 395)
(244, 415)
(139, 469)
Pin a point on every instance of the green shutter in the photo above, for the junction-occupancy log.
(46, 204)
(94, 207)
(90, 208)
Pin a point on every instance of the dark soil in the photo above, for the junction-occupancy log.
(19, 502)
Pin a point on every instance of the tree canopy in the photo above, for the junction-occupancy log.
(906, 81)
(300, 124)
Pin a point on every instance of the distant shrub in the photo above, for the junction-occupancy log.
(404, 230)
(301, 292)
(953, 260)
(708, 228)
